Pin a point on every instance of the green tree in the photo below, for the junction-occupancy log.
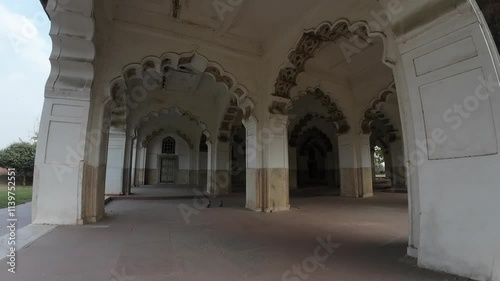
(379, 160)
(20, 156)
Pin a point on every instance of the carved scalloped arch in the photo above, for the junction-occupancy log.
(315, 134)
(336, 113)
(298, 129)
(372, 113)
(306, 46)
(192, 61)
(156, 67)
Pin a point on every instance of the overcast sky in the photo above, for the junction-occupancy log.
(24, 51)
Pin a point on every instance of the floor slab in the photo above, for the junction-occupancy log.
(320, 238)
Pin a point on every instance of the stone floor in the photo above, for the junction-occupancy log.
(166, 190)
(152, 240)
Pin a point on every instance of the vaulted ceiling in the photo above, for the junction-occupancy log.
(248, 26)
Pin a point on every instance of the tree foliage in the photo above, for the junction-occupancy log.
(20, 156)
(379, 160)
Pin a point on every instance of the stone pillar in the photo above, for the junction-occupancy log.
(134, 164)
(202, 169)
(275, 164)
(222, 172)
(267, 164)
(194, 170)
(210, 167)
(397, 163)
(450, 110)
(140, 164)
(355, 166)
(292, 158)
(61, 167)
(127, 166)
(116, 160)
(253, 160)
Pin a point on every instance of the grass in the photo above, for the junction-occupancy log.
(22, 195)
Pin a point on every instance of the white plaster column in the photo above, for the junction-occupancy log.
(253, 165)
(447, 78)
(267, 164)
(140, 165)
(274, 137)
(355, 166)
(127, 166)
(64, 138)
(292, 158)
(116, 160)
(194, 166)
(133, 171)
(202, 169)
(210, 167)
(397, 162)
(222, 172)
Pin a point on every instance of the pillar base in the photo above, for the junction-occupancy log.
(267, 190)
(253, 208)
(222, 182)
(367, 195)
(412, 252)
(277, 209)
(356, 182)
(139, 177)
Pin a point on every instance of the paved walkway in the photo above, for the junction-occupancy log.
(23, 215)
(151, 240)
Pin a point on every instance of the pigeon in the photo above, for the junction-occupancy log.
(221, 203)
(209, 203)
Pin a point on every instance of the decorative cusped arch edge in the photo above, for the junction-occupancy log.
(174, 109)
(337, 117)
(304, 122)
(305, 48)
(371, 113)
(157, 67)
(73, 50)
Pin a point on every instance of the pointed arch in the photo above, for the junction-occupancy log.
(152, 72)
(173, 110)
(372, 113)
(335, 113)
(305, 48)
